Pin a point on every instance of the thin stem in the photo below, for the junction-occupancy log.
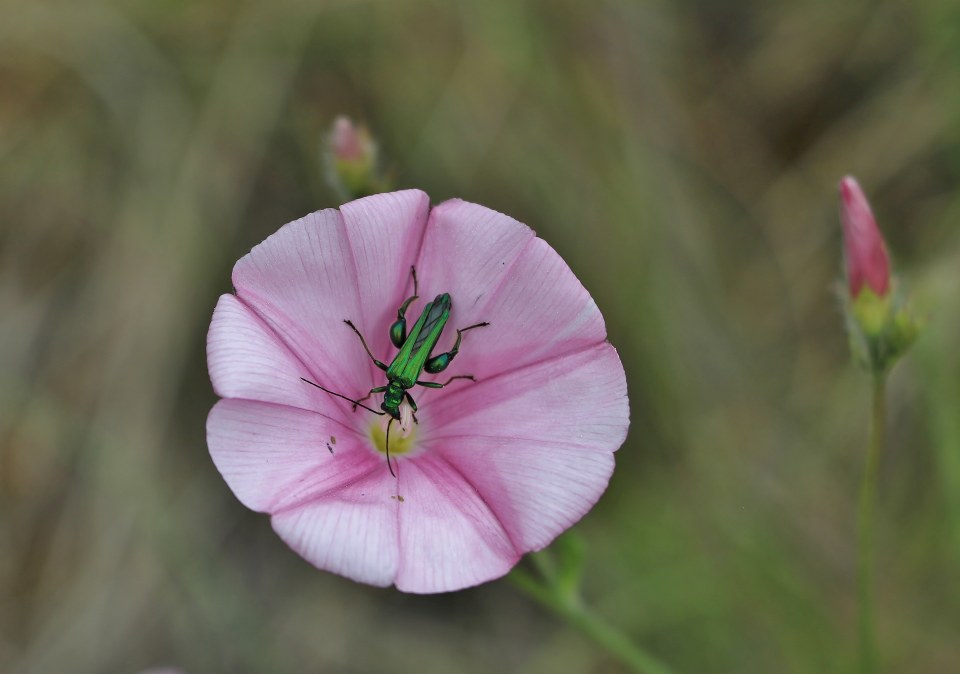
(868, 489)
(571, 608)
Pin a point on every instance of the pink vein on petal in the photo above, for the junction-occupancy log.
(248, 359)
(350, 532)
(304, 303)
(444, 523)
(536, 490)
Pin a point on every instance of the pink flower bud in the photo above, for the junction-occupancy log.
(347, 142)
(864, 249)
(351, 160)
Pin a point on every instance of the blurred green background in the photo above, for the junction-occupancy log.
(682, 156)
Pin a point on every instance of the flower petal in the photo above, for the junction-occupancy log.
(542, 312)
(537, 443)
(468, 251)
(351, 531)
(302, 282)
(535, 305)
(385, 233)
(246, 359)
(537, 489)
(275, 457)
(316, 272)
(449, 537)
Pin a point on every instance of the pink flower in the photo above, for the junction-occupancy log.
(494, 469)
(866, 253)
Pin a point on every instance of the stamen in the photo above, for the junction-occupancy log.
(406, 420)
(403, 433)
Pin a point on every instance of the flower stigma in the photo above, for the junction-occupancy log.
(403, 433)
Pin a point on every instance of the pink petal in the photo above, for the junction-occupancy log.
(246, 359)
(385, 233)
(537, 443)
(449, 537)
(864, 249)
(314, 273)
(351, 531)
(468, 251)
(275, 457)
(535, 305)
(536, 488)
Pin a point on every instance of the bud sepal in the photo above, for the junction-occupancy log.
(881, 328)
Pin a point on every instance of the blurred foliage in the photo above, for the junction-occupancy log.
(683, 157)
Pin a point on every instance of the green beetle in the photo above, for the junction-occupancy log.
(414, 357)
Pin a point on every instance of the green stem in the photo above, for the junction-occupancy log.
(571, 608)
(868, 488)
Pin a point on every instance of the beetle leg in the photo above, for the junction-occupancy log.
(398, 331)
(413, 406)
(378, 389)
(436, 384)
(440, 362)
(366, 348)
(409, 398)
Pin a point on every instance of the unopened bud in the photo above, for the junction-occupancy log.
(351, 160)
(864, 250)
(880, 321)
(348, 142)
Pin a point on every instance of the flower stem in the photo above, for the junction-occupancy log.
(570, 607)
(868, 488)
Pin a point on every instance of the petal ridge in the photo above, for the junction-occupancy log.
(483, 499)
(297, 280)
(332, 492)
(449, 537)
(463, 390)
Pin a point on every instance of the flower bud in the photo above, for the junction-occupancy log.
(865, 252)
(351, 160)
(348, 142)
(880, 321)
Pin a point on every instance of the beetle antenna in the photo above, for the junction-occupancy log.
(355, 402)
(389, 424)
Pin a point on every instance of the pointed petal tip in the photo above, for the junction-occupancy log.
(865, 252)
(850, 190)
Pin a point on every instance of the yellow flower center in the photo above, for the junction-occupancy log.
(403, 433)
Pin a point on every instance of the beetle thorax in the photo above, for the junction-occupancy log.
(392, 398)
